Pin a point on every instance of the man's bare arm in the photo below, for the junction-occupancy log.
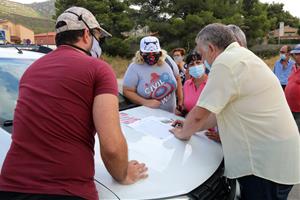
(113, 146)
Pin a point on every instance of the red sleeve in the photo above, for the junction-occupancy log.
(105, 79)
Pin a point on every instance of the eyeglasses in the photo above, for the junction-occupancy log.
(97, 34)
(282, 52)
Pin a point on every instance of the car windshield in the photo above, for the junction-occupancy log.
(11, 70)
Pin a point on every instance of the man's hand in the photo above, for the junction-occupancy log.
(152, 103)
(178, 133)
(135, 172)
(177, 123)
(213, 136)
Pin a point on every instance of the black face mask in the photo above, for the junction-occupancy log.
(151, 58)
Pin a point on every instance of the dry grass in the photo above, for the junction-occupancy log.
(271, 61)
(119, 64)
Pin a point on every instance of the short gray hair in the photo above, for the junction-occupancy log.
(217, 34)
(238, 34)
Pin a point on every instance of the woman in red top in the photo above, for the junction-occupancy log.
(292, 90)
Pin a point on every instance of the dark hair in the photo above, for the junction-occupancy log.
(193, 56)
(68, 37)
(289, 48)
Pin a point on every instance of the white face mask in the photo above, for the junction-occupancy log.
(96, 49)
(178, 59)
(282, 56)
(197, 71)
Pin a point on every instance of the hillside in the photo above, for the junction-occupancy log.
(9, 7)
(46, 8)
(31, 16)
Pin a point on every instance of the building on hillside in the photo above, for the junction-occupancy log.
(139, 32)
(16, 33)
(45, 38)
(290, 33)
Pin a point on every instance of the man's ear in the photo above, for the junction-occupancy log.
(86, 36)
(211, 47)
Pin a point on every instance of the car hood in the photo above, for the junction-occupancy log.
(175, 167)
(13, 53)
(5, 140)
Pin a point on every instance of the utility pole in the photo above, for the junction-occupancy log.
(281, 31)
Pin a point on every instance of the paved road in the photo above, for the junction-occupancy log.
(295, 193)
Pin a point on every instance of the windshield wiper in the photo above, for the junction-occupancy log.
(7, 123)
(19, 50)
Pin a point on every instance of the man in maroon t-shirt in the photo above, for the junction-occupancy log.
(292, 90)
(64, 99)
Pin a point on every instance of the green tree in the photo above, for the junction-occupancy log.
(111, 14)
(256, 22)
(179, 21)
(277, 14)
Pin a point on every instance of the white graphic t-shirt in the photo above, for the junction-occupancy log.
(153, 82)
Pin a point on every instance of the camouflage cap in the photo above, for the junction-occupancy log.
(78, 18)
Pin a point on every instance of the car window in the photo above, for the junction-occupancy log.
(11, 70)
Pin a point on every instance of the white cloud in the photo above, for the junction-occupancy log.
(289, 5)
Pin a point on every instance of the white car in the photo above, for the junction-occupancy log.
(177, 169)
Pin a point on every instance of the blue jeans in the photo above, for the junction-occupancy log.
(256, 188)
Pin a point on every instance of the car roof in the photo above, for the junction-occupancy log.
(15, 52)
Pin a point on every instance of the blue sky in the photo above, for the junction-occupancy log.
(290, 5)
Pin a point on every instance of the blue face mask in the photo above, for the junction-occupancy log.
(196, 71)
(208, 66)
(282, 56)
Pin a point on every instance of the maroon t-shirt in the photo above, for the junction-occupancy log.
(52, 150)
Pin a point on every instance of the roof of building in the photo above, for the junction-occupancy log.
(286, 29)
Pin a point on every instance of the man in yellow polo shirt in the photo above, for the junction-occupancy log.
(259, 136)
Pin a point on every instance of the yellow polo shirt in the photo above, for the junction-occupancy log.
(258, 132)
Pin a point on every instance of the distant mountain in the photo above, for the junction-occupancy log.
(10, 7)
(36, 16)
(46, 8)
